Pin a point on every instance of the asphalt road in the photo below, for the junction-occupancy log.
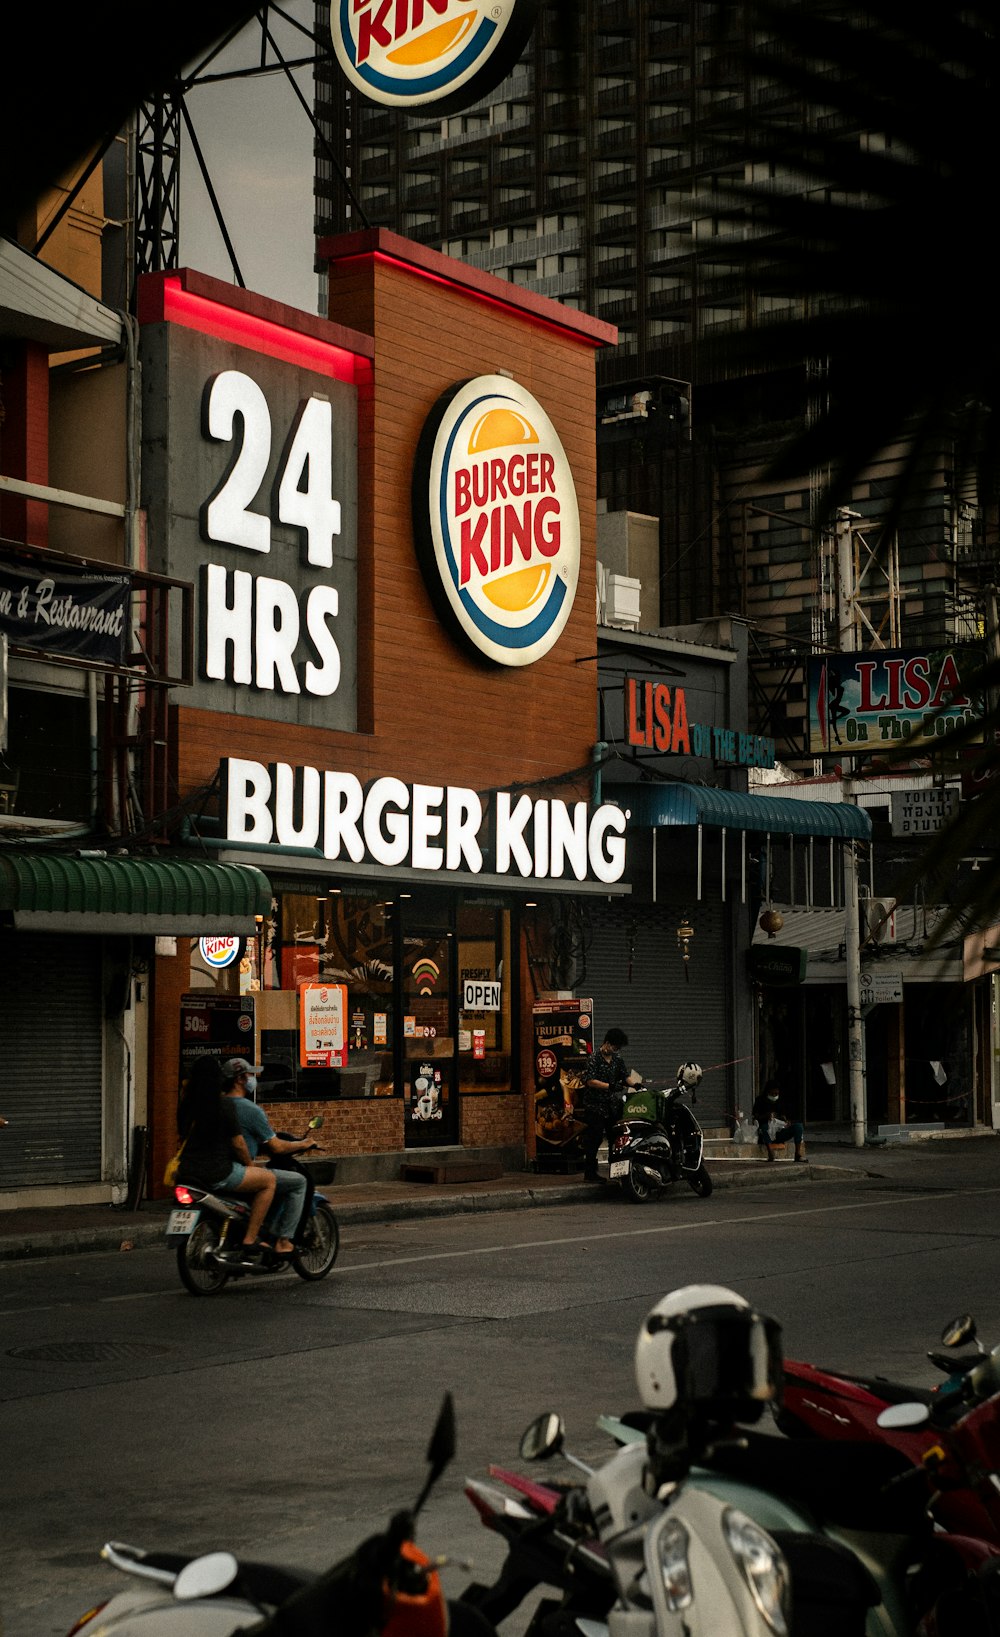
(286, 1420)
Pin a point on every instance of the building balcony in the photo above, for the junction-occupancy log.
(615, 227)
(566, 154)
(617, 98)
(561, 192)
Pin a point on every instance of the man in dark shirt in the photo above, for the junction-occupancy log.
(765, 1109)
(600, 1098)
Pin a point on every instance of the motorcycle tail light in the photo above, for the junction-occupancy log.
(183, 1195)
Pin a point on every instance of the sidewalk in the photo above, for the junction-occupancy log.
(61, 1229)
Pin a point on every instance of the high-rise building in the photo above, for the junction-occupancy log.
(597, 173)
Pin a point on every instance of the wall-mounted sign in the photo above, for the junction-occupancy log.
(495, 520)
(778, 967)
(409, 53)
(220, 952)
(922, 812)
(443, 829)
(889, 695)
(656, 718)
(250, 472)
(478, 996)
(322, 1032)
(64, 612)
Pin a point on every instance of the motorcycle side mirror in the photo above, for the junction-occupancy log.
(543, 1438)
(897, 1416)
(958, 1331)
(205, 1576)
(441, 1449)
(315, 1123)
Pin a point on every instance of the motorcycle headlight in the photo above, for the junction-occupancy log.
(672, 1549)
(762, 1565)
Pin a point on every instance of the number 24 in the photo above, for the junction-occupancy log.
(303, 491)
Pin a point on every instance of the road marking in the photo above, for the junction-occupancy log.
(646, 1233)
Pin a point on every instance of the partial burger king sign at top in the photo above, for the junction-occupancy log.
(408, 53)
(496, 521)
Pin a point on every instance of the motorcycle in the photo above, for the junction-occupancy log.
(205, 1228)
(658, 1141)
(387, 1586)
(702, 1556)
(951, 1432)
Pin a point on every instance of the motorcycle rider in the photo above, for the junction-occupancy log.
(215, 1155)
(240, 1079)
(602, 1087)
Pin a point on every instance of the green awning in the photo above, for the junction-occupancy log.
(58, 892)
(653, 806)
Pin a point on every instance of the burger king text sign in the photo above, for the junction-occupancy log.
(496, 521)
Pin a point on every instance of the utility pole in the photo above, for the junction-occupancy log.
(847, 641)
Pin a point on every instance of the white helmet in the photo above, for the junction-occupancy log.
(689, 1075)
(705, 1348)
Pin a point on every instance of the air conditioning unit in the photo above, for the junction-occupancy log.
(878, 920)
(622, 596)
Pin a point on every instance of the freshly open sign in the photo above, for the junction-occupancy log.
(478, 996)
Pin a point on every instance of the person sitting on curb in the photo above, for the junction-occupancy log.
(765, 1109)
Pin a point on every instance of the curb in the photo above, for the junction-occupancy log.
(141, 1235)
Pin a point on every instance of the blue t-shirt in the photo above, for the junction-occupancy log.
(253, 1123)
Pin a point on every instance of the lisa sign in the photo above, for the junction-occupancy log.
(496, 521)
(443, 829)
(410, 53)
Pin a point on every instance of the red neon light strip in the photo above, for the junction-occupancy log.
(260, 335)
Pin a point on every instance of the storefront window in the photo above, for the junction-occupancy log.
(336, 938)
(484, 1036)
(406, 964)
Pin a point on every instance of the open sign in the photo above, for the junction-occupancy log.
(478, 996)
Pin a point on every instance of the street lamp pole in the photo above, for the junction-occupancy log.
(847, 641)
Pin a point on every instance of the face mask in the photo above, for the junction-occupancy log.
(251, 1083)
(772, 1096)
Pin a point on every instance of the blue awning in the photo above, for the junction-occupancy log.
(653, 806)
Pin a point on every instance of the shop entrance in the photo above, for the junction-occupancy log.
(429, 1038)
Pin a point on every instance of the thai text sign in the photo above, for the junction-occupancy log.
(64, 611)
(322, 1036)
(922, 812)
(889, 696)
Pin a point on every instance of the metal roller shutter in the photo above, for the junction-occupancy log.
(668, 1020)
(50, 1088)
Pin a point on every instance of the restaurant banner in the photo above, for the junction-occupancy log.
(64, 611)
(564, 1044)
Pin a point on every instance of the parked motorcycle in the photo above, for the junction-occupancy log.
(608, 1545)
(388, 1586)
(658, 1140)
(951, 1432)
(207, 1227)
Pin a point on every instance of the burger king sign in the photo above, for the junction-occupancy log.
(496, 521)
(409, 53)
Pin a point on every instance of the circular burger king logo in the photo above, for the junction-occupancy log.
(220, 952)
(406, 53)
(496, 520)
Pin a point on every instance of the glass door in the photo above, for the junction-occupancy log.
(430, 1102)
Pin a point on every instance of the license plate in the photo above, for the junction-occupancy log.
(181, 1223)
(619, 1168)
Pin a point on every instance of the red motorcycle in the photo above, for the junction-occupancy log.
(952, 1430)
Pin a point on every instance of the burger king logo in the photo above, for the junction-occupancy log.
(405, 53)
(496, 520)
(220, 952)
